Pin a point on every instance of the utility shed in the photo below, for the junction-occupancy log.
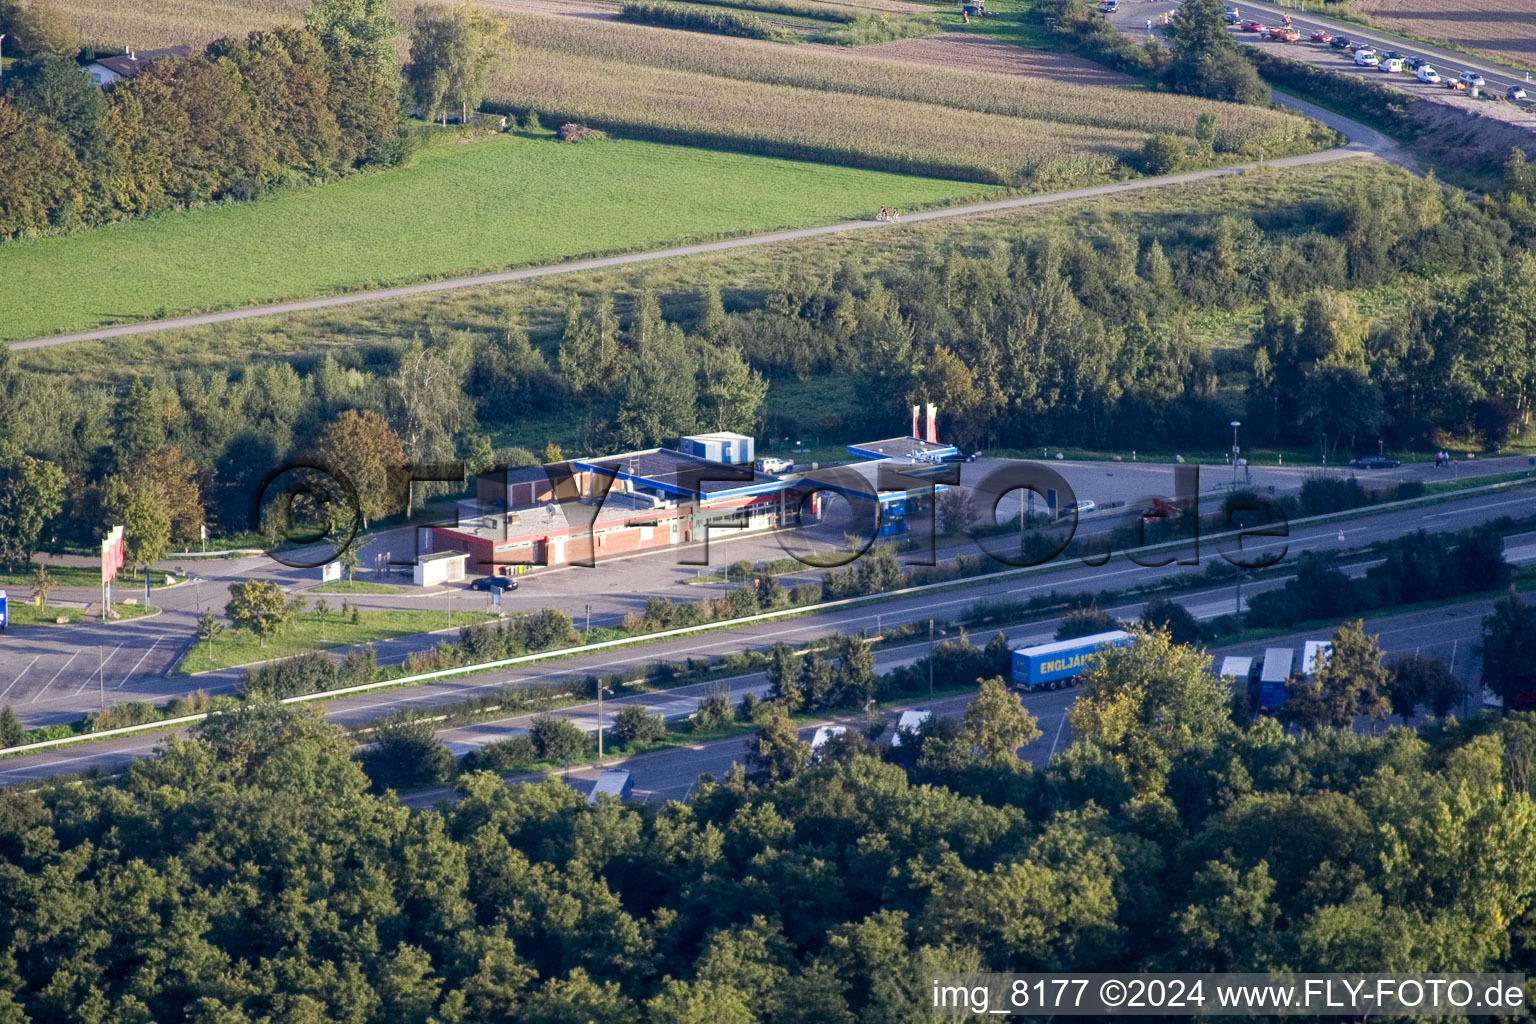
(442, 567)
(721, 446)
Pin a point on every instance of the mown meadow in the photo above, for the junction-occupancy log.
(506, 201)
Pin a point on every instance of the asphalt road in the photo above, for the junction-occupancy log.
(1450, 633)
(894, 611)
(1133, 14)
(55, 674)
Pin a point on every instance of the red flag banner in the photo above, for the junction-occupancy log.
(111, 555)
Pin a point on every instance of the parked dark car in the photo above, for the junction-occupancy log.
(494, 583)
(1376, 462)
(1341, 43)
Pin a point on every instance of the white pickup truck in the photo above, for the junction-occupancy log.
(774, 465)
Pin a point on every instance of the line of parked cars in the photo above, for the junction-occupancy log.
(1366, 56)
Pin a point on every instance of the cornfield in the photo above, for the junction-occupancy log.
(1239, 127)
(779, 120)
(146, 24)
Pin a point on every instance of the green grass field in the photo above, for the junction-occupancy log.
(309, 632)
(356, 587)
(507, 201)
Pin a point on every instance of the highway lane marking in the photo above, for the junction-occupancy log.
(22, 673)
(136, 665)
(56, 675)
(129, 751)
(1057, 740)
(101, 665)
(1480, 508)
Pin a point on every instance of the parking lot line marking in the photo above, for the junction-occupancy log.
(103, 664)
(22, 673)
(56, 675)
(140, 661)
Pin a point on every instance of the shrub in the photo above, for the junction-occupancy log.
(504, 757)
(635, 724)
(290, 677)
(1085, 622)
(557, 739)
(406, 752)
(1173, 617)
(714, 713)
(1322, 494)
(1163, 154)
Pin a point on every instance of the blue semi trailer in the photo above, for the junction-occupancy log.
(1053, 666)
(5, 611)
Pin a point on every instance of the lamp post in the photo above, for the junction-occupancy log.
(600, 719)
(1234, 425)
(589, 620)
(930, 656)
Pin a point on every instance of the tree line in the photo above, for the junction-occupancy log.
(1042, 337)
(275, 109)
(249, 874)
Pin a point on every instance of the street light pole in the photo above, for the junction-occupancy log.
(589, 619)
(599, 719)
(930, 659)
(1235, 424)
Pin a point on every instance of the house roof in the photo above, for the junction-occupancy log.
(912, 448)
(677, 473)
(130, 65)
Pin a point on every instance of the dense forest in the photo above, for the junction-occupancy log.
(277, 109)
(249, 874)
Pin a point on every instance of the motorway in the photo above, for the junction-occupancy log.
(1132, 16)
(55, 674)
(1449, 633)
(893, 610)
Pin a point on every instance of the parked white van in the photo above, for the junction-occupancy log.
(1392, 64)
(1367, 58)
(1428, 74)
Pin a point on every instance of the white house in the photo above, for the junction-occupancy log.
(107, 70)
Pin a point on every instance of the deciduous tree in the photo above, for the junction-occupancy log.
(1147, 702)
(259, 606)
(31, 493)
(361, 445)
(453, 51)
(996, 723)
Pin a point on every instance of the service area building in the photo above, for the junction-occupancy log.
(583, 510)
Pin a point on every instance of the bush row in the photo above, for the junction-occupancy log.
(726, 23)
